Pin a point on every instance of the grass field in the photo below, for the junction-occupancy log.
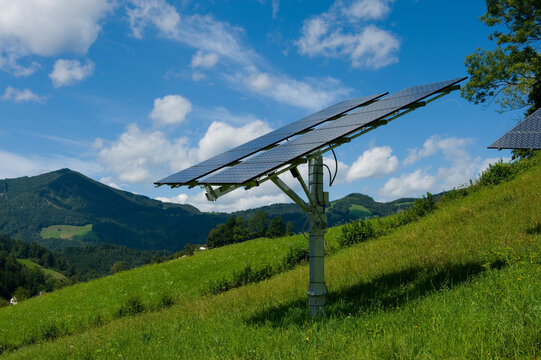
(48, 272)
(66, 232)
(463, 282)
(359, 211)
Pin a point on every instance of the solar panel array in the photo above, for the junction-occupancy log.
(215, 163)
(272, 159)
(526, 135)
(264, 162)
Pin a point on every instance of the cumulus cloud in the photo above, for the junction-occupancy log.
(137, 155)
(377, 161)
(204, 60)
(170, 110)
(416, 183)
(141, 156)
(338, 34)
(70, 72)
(266, 194)
(459, 168)
(451, 148)
(20, 96)
(47, 28)
(221, 136)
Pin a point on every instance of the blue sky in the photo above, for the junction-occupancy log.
(128, 92)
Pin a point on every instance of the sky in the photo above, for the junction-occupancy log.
(128, 92)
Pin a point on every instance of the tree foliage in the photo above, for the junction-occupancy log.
(510, 74)
(236, 230)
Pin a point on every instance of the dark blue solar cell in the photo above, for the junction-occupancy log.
(239, 174)
(283, 153)
(187, 175)
(526, 135)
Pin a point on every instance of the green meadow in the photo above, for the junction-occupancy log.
(463, 282)
(48, 272)
(66, 232)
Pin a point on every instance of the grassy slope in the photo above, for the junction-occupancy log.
(64, 231)
(48, 272)
(464, 282)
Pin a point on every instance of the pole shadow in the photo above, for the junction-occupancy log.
(384, 293)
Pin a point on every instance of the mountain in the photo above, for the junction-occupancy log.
(65, 197)
(65, 208)
(351, 207)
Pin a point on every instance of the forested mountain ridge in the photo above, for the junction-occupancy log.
(351, 207)
(28, 204)
(65, 197)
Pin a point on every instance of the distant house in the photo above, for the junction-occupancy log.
(202, 248)
(13, 301)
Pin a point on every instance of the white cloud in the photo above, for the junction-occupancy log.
(452, 148)
(221, 136)
(19, 96)
(47, 28)
(259, 82)
(198, 76)
(109, 182)
(266, 194)
(201, 32)
(70, 72)
(153, 12)
(412, 184)
(374, 162)
(170, 110)
(218, 41)
(368, 9)
(312, 94)
(178, 199)
(139, 156)
(461, 168)
(204, 60)
(337, 34)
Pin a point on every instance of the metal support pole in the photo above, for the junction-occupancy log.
(317, 290)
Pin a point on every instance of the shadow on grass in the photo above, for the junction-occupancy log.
(385, 293)
(534, 230)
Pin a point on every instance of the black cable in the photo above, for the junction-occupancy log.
(336, 172)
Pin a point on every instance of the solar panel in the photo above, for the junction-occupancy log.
(217, 162)
(526, 135)
(329, 132)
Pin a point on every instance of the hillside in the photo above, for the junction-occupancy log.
(351, 207)
(463, 282)
(64, 209)
(65, 197)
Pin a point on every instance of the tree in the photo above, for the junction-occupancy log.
(118, 267)
(259, 224)
(510, 74)
(290, 228)
(276, 227)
